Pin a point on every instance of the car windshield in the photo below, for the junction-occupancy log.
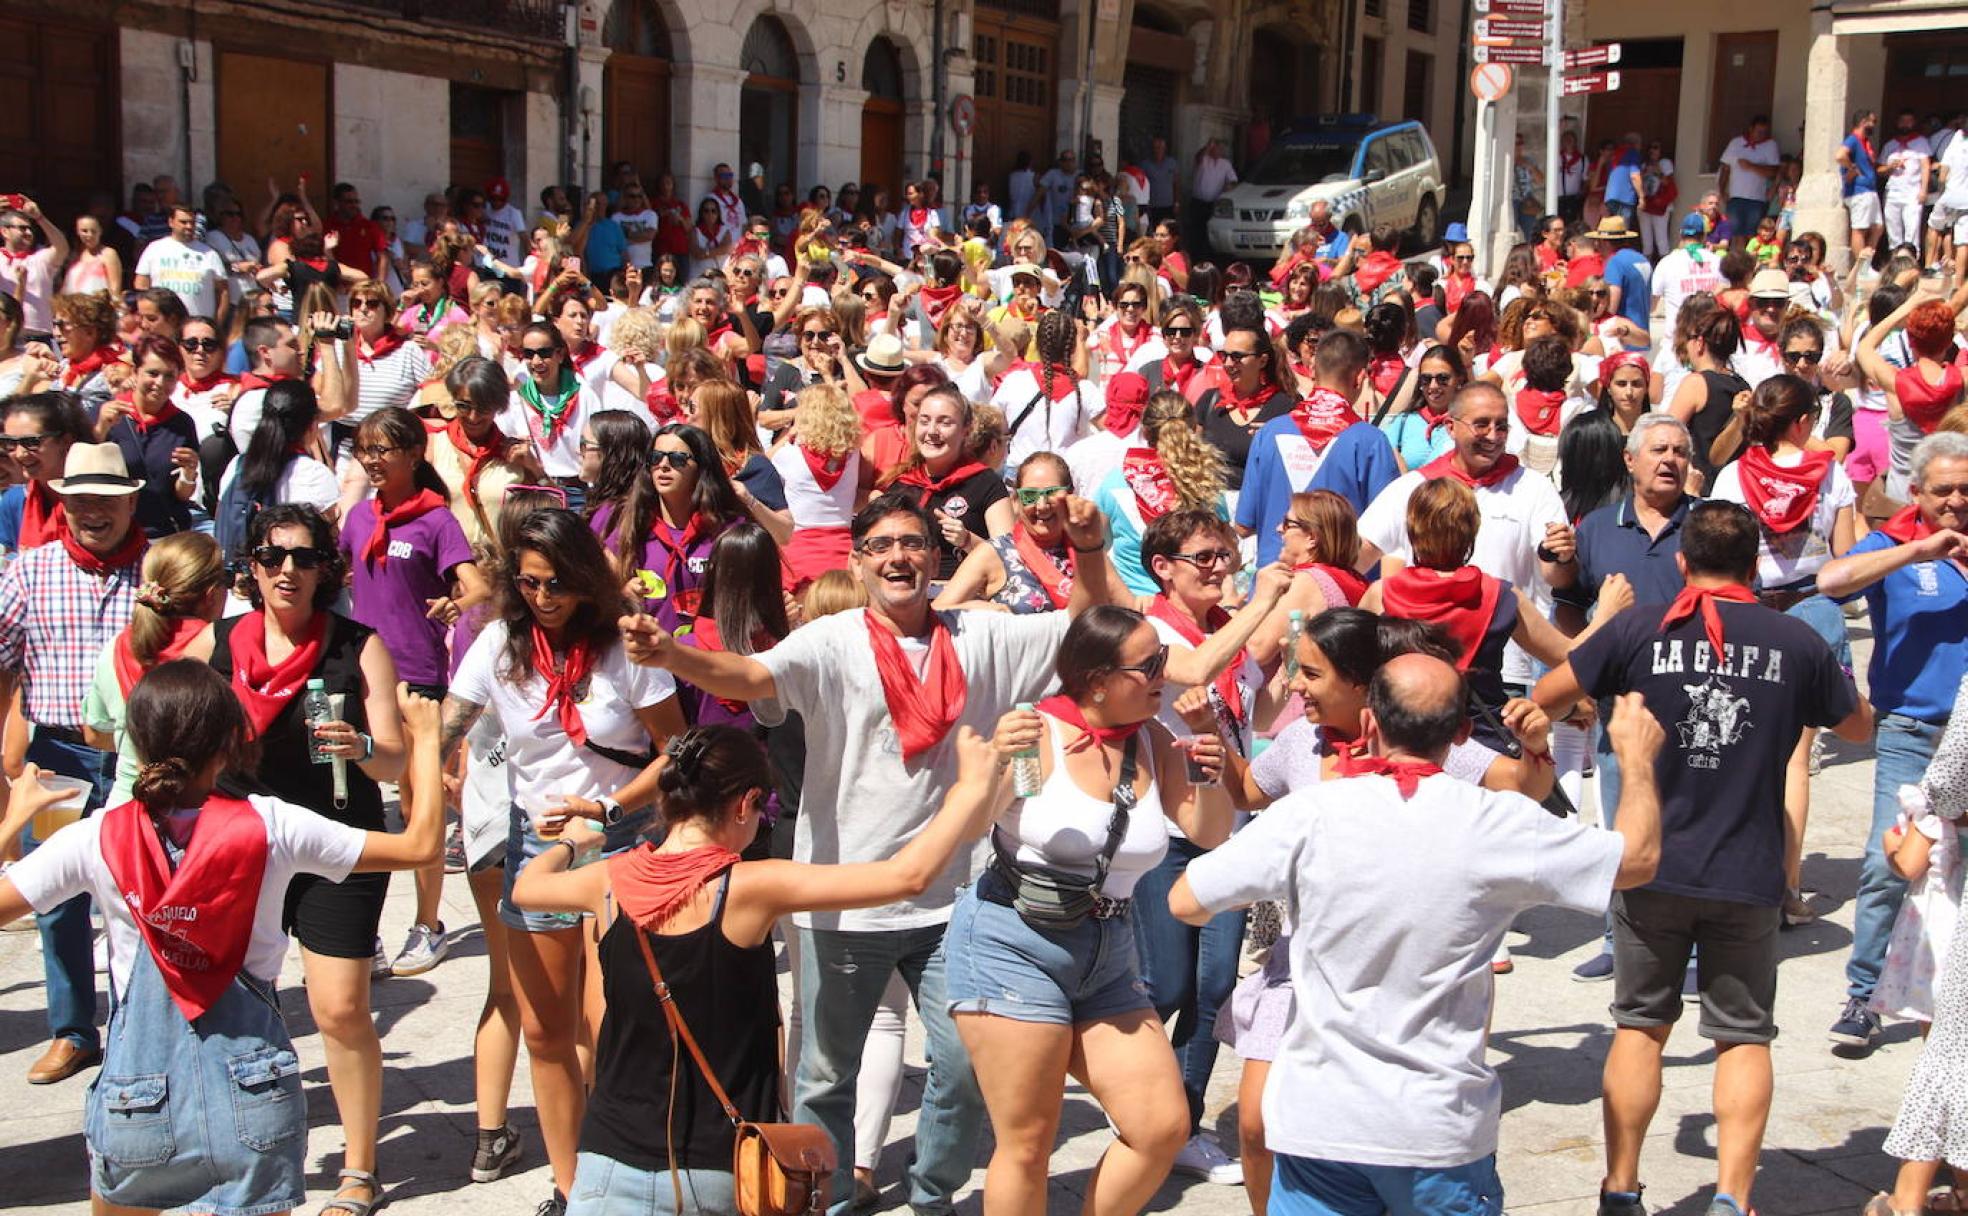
(1297, 164)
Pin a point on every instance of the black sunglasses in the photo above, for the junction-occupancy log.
(1812, 357)
(31, 442)
(533, 585)
(676, 460)
(537, 352)
(1152, 667)
(273, 557)
(203, 344)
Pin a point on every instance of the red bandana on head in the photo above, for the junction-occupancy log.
(1322, 416)
(1702, 599)
(376, 551)
(1782, 496)
(1462, 601)
(196, 920)
(1148, 477)
(1068, 711)
(1446, 465)
(924, 709)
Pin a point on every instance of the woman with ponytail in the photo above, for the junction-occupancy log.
(1174, 469)
(194, 885)
(691, 908)
(183, 590)
(276, 467)
(1047, 407)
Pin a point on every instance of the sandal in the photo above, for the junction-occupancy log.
(355, 1207)
(1882, 1205)
(1945, 1202)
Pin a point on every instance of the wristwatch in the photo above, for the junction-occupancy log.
(611, 812)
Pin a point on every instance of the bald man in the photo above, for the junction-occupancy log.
(1379, 951)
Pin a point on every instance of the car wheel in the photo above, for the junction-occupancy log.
(1426, 236)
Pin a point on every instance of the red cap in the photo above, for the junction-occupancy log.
(1127, 397)
(498, 187)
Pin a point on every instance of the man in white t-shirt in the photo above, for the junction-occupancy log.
(1519, 508)
(27, 273)
(1904, 162)
(1470, 860)
(1949, 222)
(185, 266)
(1209, 177)
(274, 346)
(505, 224)
(1054, 198)
(1747, 167)
(871, 782)
(1690, 268)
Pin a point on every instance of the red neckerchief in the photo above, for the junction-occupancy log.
(1322, 416)
(127, 554)
(88, 365)
(124, 659)
(662, 403)
(1179, 378)
(44, 517)
(936, 302)
(1923, 402)
(376, 550)
(17, 258)
(1063, 383)
(711, 232)
(1539, 409)
(932, 486)
(826, 471)
(1068, 711)
(1120, 348)
(1148, 477)
(1226, 680)
(1384, 372)
(1756, 343)
(1783, 497)
(563, 682)
(1456, 288)
(1229, 401)
(1547, 257)
(1374, 269)
(196, 920)
(676, 551)
(263, 688)
(1462, 601)
(207, 385)
(386, 344)
(1907, 526)
(145, 422)
(719, 333)
(1350, 584)
(1446, 465)
(705, 636)
(1406, 774)
(319, 264)
(1703, 599)
(918, 216)
(253, 380)
(585, 354)
(476, 456)
(1866, 144)
(923, 709)
(650, 887)
(1057, 580)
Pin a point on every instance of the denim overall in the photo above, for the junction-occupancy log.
(206, 1115)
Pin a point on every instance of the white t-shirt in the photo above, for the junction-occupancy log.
(304, 480)
(36, 293)
(541, 761)
(1742, 182)
(193, 273)
(1680, 274)
(393, 379)
(562, 457)
(1211, 178)
(1954, 158)
(70, 863)
(1049, 427)
(1797, 556)
(639, 230)
(808, 504)
(1391, 970)
(860, 800)
(1093, 458)
(1909, 177)
(1515, 512)
(505, 232)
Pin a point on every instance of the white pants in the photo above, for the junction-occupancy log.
(1654, 239)
(1903, 222)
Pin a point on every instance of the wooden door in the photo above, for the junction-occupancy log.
(273, 122)
(1745, 84)
(59, 113)
(1648, 101)
(1016, 68)
(636, 115)
(881, 146)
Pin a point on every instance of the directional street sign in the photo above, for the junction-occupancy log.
(1523, 56)
(1514, 8)
(1593, 56)
(1591, 82)
(1537, 30)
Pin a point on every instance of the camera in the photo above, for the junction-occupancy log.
(343, 329)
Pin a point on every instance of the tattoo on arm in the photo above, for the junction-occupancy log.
(458, 717)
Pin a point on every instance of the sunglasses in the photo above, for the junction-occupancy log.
(815, 335)
(534, 586)
(273, 557)
(1032, 496)
(1238, 356)
(1178, 331)
(1424, 379)
(1151, 668)
(1208, 557)
(1464, 257)
(199, 344)
(1797, 357)
(676, 460)
(878, 546)
(472, 407)
(530, 353)
(1131, 305)
(32, 443)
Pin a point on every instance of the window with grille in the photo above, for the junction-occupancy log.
(984, 53)
(1421, 15)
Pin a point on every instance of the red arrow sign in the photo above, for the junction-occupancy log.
(1504, 27)
(1591, 82)
(1532, 56)
(1593, 56)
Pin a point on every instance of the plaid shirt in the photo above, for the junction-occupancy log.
(55, 619)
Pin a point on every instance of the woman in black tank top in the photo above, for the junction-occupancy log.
(706, 918)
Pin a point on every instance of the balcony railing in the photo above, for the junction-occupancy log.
(526, 18)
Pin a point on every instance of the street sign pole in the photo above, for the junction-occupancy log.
(1552, 93)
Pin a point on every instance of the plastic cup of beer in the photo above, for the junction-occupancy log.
(546, 812)
(48, 821)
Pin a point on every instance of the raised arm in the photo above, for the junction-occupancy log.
(1202, 664)
(720, 673)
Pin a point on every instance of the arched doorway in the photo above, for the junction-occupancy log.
(635, 82)
(768, 105)
(882, 120)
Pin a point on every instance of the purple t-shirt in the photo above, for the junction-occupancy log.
(393, 598)
(681, 568)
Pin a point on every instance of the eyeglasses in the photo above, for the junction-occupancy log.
(1032, 496)
(744, 272)
(1152, 667)
(530, 353)
(199, 344)
(676, 460)
(1463, 257)
(1487, 426)
(1131, 305)
(878, 546)
(1292, 523)
(1797, 357)
(1238, 356)
(1769, 305)
(466, 406)
(534, 586)
(815, 335)
(1424, 379)
(359, 305)
(1209, 557)
(376, 451)
(32, 443)
(1178, 331)
(273, 557)
(777, 293)
(871, 296)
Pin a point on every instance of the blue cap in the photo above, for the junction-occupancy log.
(1456, 233)
(1693, 224)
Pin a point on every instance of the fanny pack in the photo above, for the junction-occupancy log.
(1054, 900)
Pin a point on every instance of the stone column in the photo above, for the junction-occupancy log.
(1826, 110)
(591, 133)
(704, 110)
(835, 155)
(1107, 121)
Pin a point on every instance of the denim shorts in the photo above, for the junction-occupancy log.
(996, 963)
(523, 844)
(604, 1186)
(1312, 1186)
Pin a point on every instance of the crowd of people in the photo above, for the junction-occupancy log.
(1010, 614)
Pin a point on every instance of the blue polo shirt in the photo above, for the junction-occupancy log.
(1619, 182)
(1630, 271)
(1867, 178)
(1332, 248)
(1611, 541)
(1357, 465)
(1920, 635)
(607, 248)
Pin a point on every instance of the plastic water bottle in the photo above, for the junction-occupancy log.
(318, 711)
(1294, 630)
(1025, 775)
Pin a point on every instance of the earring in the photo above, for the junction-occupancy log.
(1100, 698)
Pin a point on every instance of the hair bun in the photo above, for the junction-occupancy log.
(160, 782)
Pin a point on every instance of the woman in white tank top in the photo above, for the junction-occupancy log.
(1031, 998)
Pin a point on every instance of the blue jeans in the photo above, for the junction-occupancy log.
(1189, 971)
(1311, 1186)
(842, 977)
(1828, 622)
(67, 954)
(604, 1186)
(1904, 747)
(1744, 215)
(1626, 211)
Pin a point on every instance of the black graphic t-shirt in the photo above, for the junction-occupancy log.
(1732, 723)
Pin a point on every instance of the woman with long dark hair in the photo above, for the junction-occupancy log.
(663, 534)
(580, 723)
(1705, 400)
(291, 637)
(614, 458)
(1592, 445)
(1419, 423)
(550, 407)
(191, 881)
(742, 610)
(1253, 389)
(276, 466)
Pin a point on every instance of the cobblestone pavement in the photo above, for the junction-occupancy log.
(1550, 1038)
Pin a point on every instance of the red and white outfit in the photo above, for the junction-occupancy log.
(820, 497)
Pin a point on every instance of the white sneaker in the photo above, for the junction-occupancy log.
(423, 949)
(1204, 1158)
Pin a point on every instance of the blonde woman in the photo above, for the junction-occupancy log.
(453, 345)
(1176, 469)
(486, 325)
(637, 338)
(851, 320)
(825, 480)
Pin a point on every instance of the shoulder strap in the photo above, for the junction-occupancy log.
(1026, 412)
(1117, 823)
(682, 1031)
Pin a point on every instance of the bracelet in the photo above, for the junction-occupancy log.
(1541, 758)
(572, 852)
(368, 746)
(1090, 549)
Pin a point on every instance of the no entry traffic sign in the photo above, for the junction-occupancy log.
(1491, 81)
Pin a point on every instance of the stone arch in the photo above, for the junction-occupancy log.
(674, 29)
(644, 39)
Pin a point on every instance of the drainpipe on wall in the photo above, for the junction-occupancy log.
(570, 94)
(188, 71)
(938, 87)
